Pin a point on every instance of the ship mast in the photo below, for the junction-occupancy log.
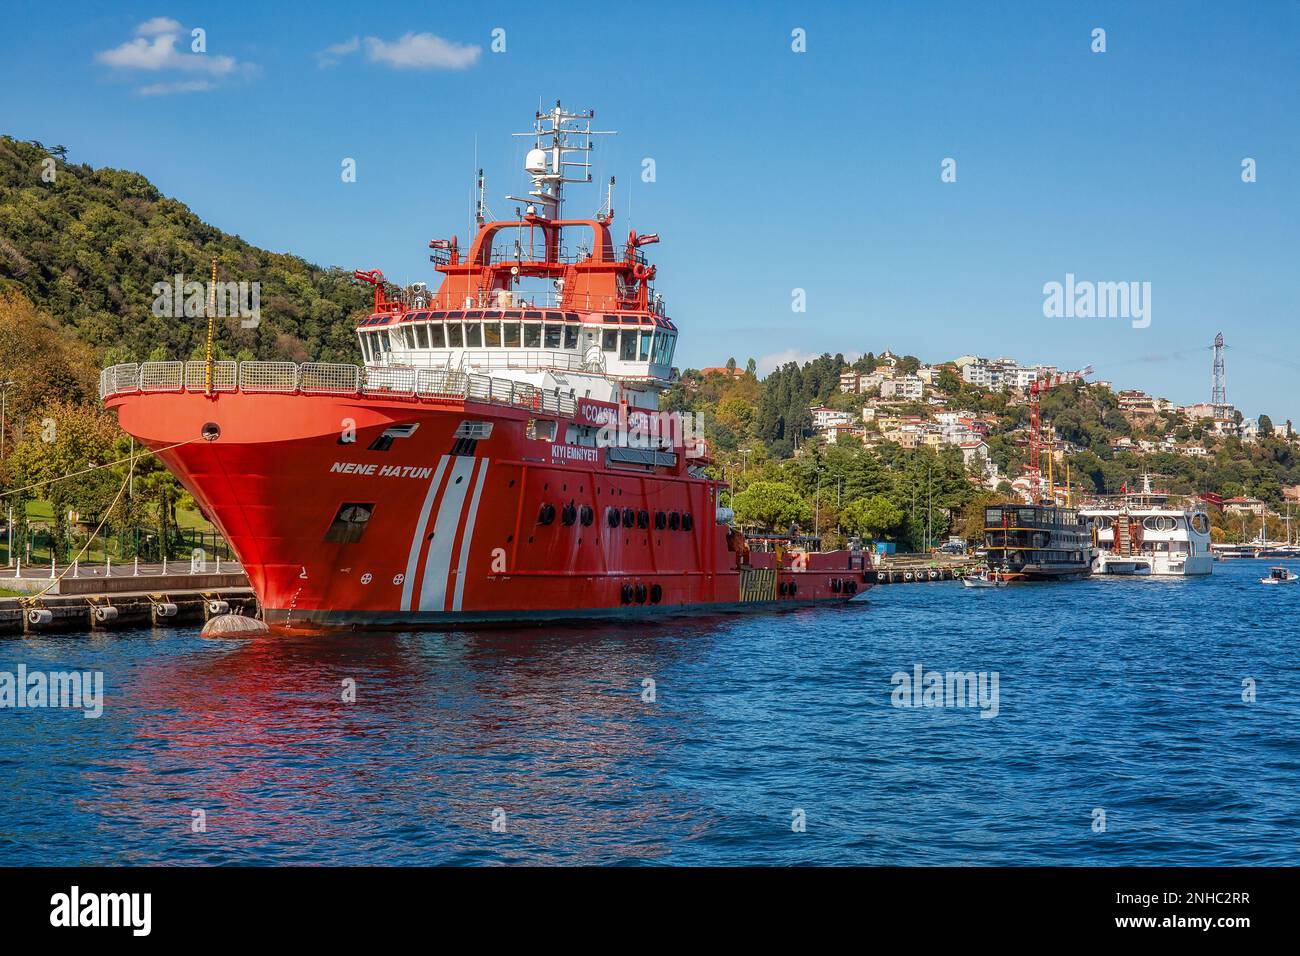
(562, 142)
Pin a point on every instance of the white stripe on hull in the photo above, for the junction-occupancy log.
(467, 538)
(433, 589)
(412, 562)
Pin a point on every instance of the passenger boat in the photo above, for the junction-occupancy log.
(1038, 542)
(1278, 575)
(499, 456)
(1140, 534)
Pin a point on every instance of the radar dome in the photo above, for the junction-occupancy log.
(535, 161)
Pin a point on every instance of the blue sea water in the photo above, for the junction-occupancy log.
(1124, 696)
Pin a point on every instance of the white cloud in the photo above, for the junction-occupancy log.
(331, 55)
(422, 51)
(182, 86)
(158, 25)
(769, 362)
(154, 50)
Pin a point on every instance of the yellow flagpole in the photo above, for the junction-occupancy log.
(212, 318)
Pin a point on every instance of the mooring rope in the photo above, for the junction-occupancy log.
(30, 600)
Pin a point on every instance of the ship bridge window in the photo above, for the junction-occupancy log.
(570, 336)
(437, 337)
(511, 335)
(492, 334)
(473, 335)
(532, 335)
(627, 351)
(554, 336)
(609, 340)
(422, 336)
(646, 338)
(455, 335)
(350, 522)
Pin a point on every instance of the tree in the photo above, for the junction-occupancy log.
(1265, 426)
(873, 517)
(773, 505)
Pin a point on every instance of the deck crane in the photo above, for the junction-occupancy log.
(1036, 389)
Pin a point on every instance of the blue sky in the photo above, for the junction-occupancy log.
(775, 170)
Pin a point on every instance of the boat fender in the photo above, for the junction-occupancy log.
(674, 521)
(612, 517)
(643, 519)
(164, 609)
(39, 615)
(688, 521)
(627, 594)
(105, 613)
(588, 516)
(656, 593)
(629, 517)
(569, 515)
(661, 520)
(851, 586)
(547, 514)
(794, 589)
(641, 592)
(784, 588)
(217, 606)
(835, 585)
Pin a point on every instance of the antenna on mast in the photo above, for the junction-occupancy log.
(562, 141)
(481, 212)
(606, 212)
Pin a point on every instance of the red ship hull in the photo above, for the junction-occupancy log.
(430, 527)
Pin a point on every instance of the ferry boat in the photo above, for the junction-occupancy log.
(1139, 534)
(499, 456)
(1038, 542)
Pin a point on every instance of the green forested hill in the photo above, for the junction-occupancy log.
(89, 247)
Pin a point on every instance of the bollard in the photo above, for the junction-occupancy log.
(76, 567)
(51, 567)
(108, 566)
(164, 570)
(136, 572)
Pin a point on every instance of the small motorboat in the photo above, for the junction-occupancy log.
(984, 578)
(1278, 575)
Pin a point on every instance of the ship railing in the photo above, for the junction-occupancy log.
(321, 378)
(225, 376)
(393, 380)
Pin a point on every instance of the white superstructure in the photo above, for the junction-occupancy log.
(1140, 534)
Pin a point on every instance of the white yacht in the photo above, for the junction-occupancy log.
(1140, 534)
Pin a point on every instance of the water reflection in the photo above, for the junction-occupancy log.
(548, 725)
